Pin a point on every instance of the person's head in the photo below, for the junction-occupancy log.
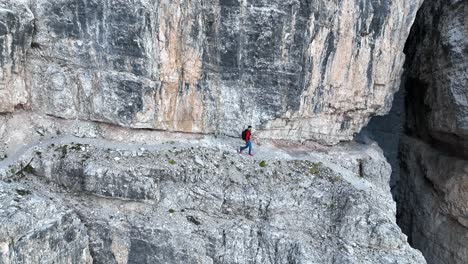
(249, 128)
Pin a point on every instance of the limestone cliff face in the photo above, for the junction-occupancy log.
(434, 162)
(294, 69)
(437, 75)
(16, 28)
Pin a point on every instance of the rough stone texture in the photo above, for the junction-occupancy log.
(103, 177)
(433, 203)
(36, 229)
(216, 206)
(16, 28)
(294, 69)
(437, 83)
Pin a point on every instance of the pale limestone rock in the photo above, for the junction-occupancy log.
(228, 209)
(292, 69)
(16, 27)
(36, 229)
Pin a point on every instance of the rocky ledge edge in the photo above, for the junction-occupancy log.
(83, 201)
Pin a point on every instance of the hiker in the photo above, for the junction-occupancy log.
(248, 144)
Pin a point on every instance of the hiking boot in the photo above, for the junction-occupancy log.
(239, 151)
(251, 155)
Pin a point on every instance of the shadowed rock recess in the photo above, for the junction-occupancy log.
(433, 189)
(119, 123)
(426, 134)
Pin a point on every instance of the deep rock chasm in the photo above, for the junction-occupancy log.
(120, 123)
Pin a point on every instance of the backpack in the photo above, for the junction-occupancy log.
(244, 134)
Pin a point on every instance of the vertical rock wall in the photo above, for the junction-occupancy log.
(432, 203)
(294, 69)
(16, 29)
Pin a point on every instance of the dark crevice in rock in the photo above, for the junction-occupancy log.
(424, 136)
(34, 43)
(387, 131)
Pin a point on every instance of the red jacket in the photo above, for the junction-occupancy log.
(247, 136)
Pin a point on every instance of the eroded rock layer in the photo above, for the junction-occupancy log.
(189, 203)
(294, 69)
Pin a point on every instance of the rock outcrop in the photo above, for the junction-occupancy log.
(37, 229)
(294, 69)
(434, 154)
(198, 204)
(432, 202)
(16, 29)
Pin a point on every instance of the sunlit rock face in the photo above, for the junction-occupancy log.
(294, 69)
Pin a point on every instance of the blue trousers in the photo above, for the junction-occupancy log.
(248, 144)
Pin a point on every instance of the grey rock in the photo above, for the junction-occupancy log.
(220, 212)
(293, 69)
(437, 88)
(115, 69)
(35, 229)
(103, 178)
(434, 154)
(432, 202)
(387, 131)
(16, 28)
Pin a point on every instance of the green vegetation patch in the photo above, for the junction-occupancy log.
(28, 169)
(315, 169)
(262, 164)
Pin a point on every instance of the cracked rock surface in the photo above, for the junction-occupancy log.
(36, 228)
(198, 204)
(293, 69)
